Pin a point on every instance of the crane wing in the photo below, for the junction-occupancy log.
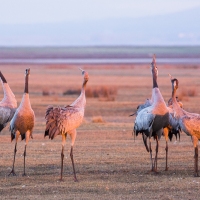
(173, 121)
(144, 120)
(143, 106)
(58, 120)
(191, 125)
(6, 114)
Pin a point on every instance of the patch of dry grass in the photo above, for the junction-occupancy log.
(47, 92)
(102, 92)
(72, 92)
(98, 119)
(105, 93)
(187, 92)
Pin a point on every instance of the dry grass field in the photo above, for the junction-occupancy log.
(109, 163)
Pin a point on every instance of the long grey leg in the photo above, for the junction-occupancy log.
(72, 159)
(24, 160)
(13, 170)
(62, 157)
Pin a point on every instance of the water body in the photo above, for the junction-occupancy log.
(101, 61)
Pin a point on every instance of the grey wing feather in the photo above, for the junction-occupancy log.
(6, 114)
(145, 105)
(144, 120)
(173, 121)
(174, 126)
(140, 107)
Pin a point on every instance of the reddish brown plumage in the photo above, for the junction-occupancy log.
(65, 120)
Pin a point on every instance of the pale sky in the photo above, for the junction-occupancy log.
(46, 11)
(31, 12)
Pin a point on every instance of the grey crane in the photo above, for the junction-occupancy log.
(22, 122)
(151, 120)
(189, 123)
(8, 104)
(65, 120)
(172, 129)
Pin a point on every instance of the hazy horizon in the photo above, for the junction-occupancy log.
(100, 23)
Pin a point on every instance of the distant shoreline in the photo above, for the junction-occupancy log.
(102, 61)
(100, 55)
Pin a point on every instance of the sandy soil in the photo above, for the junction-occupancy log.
(109, 163)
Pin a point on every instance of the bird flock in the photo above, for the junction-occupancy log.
(153, 119)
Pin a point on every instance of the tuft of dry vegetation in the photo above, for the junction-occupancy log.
(107, 93)
(187, 92)
(72, 92)
(45, 92)
(192, 92)
(98, 119)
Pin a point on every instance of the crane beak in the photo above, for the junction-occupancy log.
(153, 63)
(82, 70)
(154, 58)
(170, 76)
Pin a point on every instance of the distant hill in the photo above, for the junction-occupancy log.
(103, 52)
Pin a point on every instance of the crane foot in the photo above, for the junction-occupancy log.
(12, 172)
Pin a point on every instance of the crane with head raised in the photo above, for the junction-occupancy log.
(65, 120)
(189, 123)
(151, 120)
(8, 104)
(23, 121)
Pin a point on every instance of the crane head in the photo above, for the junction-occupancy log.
(86, 75)
(82, 71)
(153, 66)
(27, 72)
(174, 82)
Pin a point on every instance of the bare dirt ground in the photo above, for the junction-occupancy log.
(109, 163)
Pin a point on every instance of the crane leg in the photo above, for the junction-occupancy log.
(24, 160)
(144, 137)
(64, 136)
(166, 135)
(195, 143)
(72, 159)
(150, 150)
(166, 149)
(13, 170)
(196, 173)
(156, 156)
(62, 157)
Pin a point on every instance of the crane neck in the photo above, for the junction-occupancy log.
(9, 98)
(154, 76)
(176, 107)
(2, 78)
(84, 84)
(81, 101)
(25, 102)
(26, 84)
(173, 94)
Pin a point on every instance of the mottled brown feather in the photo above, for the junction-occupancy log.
(57, 117)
